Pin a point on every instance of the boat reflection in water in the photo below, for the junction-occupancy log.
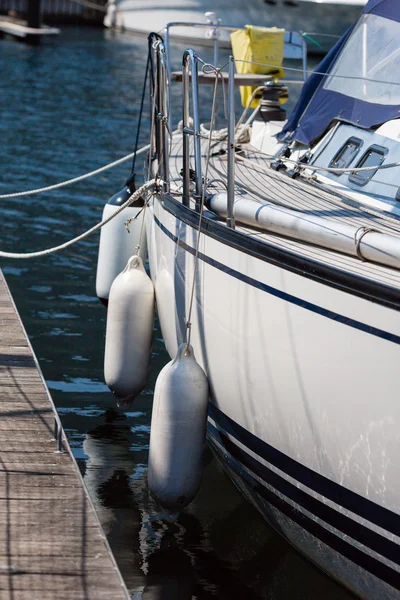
(219, 547)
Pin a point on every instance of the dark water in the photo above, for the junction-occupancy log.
(67, 108)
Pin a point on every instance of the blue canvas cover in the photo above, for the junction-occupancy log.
(362, 81)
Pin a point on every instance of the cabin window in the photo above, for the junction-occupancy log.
(368, 66)
(373, 157)
(346, 154)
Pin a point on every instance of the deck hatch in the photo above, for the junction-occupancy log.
(347, 153)
(373, 157)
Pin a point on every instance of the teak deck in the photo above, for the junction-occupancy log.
(51, 542)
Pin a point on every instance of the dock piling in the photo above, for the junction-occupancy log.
(33, 21)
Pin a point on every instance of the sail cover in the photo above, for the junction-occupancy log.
(361, 84)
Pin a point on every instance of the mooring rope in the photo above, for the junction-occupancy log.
(135, 196)
(81, 177)
(76, 179)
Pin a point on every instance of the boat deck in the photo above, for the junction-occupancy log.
(263, 184)
(51, 543)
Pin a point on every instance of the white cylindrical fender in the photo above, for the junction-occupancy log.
(130, 322)
(178, 431)
(116, 244)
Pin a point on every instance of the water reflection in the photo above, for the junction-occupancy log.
(170, 573)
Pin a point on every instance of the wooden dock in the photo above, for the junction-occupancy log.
(51, 542)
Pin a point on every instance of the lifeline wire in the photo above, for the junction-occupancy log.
(250, 62)
(152, 125)
(144, 188)
(149, 66)
(196, 257)
(311, 167)
(132, 175)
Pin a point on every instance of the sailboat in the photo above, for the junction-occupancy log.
(286, 234)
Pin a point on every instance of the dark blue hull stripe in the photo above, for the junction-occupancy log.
(355, 530)
(359, 505)
(360, 558)
(385, 335)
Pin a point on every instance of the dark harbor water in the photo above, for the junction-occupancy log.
(66, 108)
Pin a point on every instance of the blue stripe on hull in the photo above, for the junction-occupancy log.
(359, 505)
(336, 543)
(329, 314)
(346, 525)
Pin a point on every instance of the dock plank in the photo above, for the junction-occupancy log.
(51, 542)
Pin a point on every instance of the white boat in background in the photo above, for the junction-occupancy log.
(321, 21)
(290, 251)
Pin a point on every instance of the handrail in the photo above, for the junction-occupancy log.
(190, 58)
(218, 27)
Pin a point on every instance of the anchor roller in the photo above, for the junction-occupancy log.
(178, 431)
(130, 321)
(116, 243)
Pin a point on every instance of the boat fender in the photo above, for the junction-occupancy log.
(130, 321)
(116, 243)
(178, 431)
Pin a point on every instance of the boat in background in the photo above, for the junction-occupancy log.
(321, 22)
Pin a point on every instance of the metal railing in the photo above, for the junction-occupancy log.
(190, 86)
(190, 81)
(190, 59)
(230, 220)
(190, 67)
(295, 46)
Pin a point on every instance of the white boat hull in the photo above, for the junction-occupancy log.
(304, 411)
(330, 18)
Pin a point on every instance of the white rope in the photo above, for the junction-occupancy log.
(76, 179)
(144, 188)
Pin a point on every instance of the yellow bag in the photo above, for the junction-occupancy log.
(257, 45)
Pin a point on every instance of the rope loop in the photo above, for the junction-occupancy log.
(209, 69)
(358, 236)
